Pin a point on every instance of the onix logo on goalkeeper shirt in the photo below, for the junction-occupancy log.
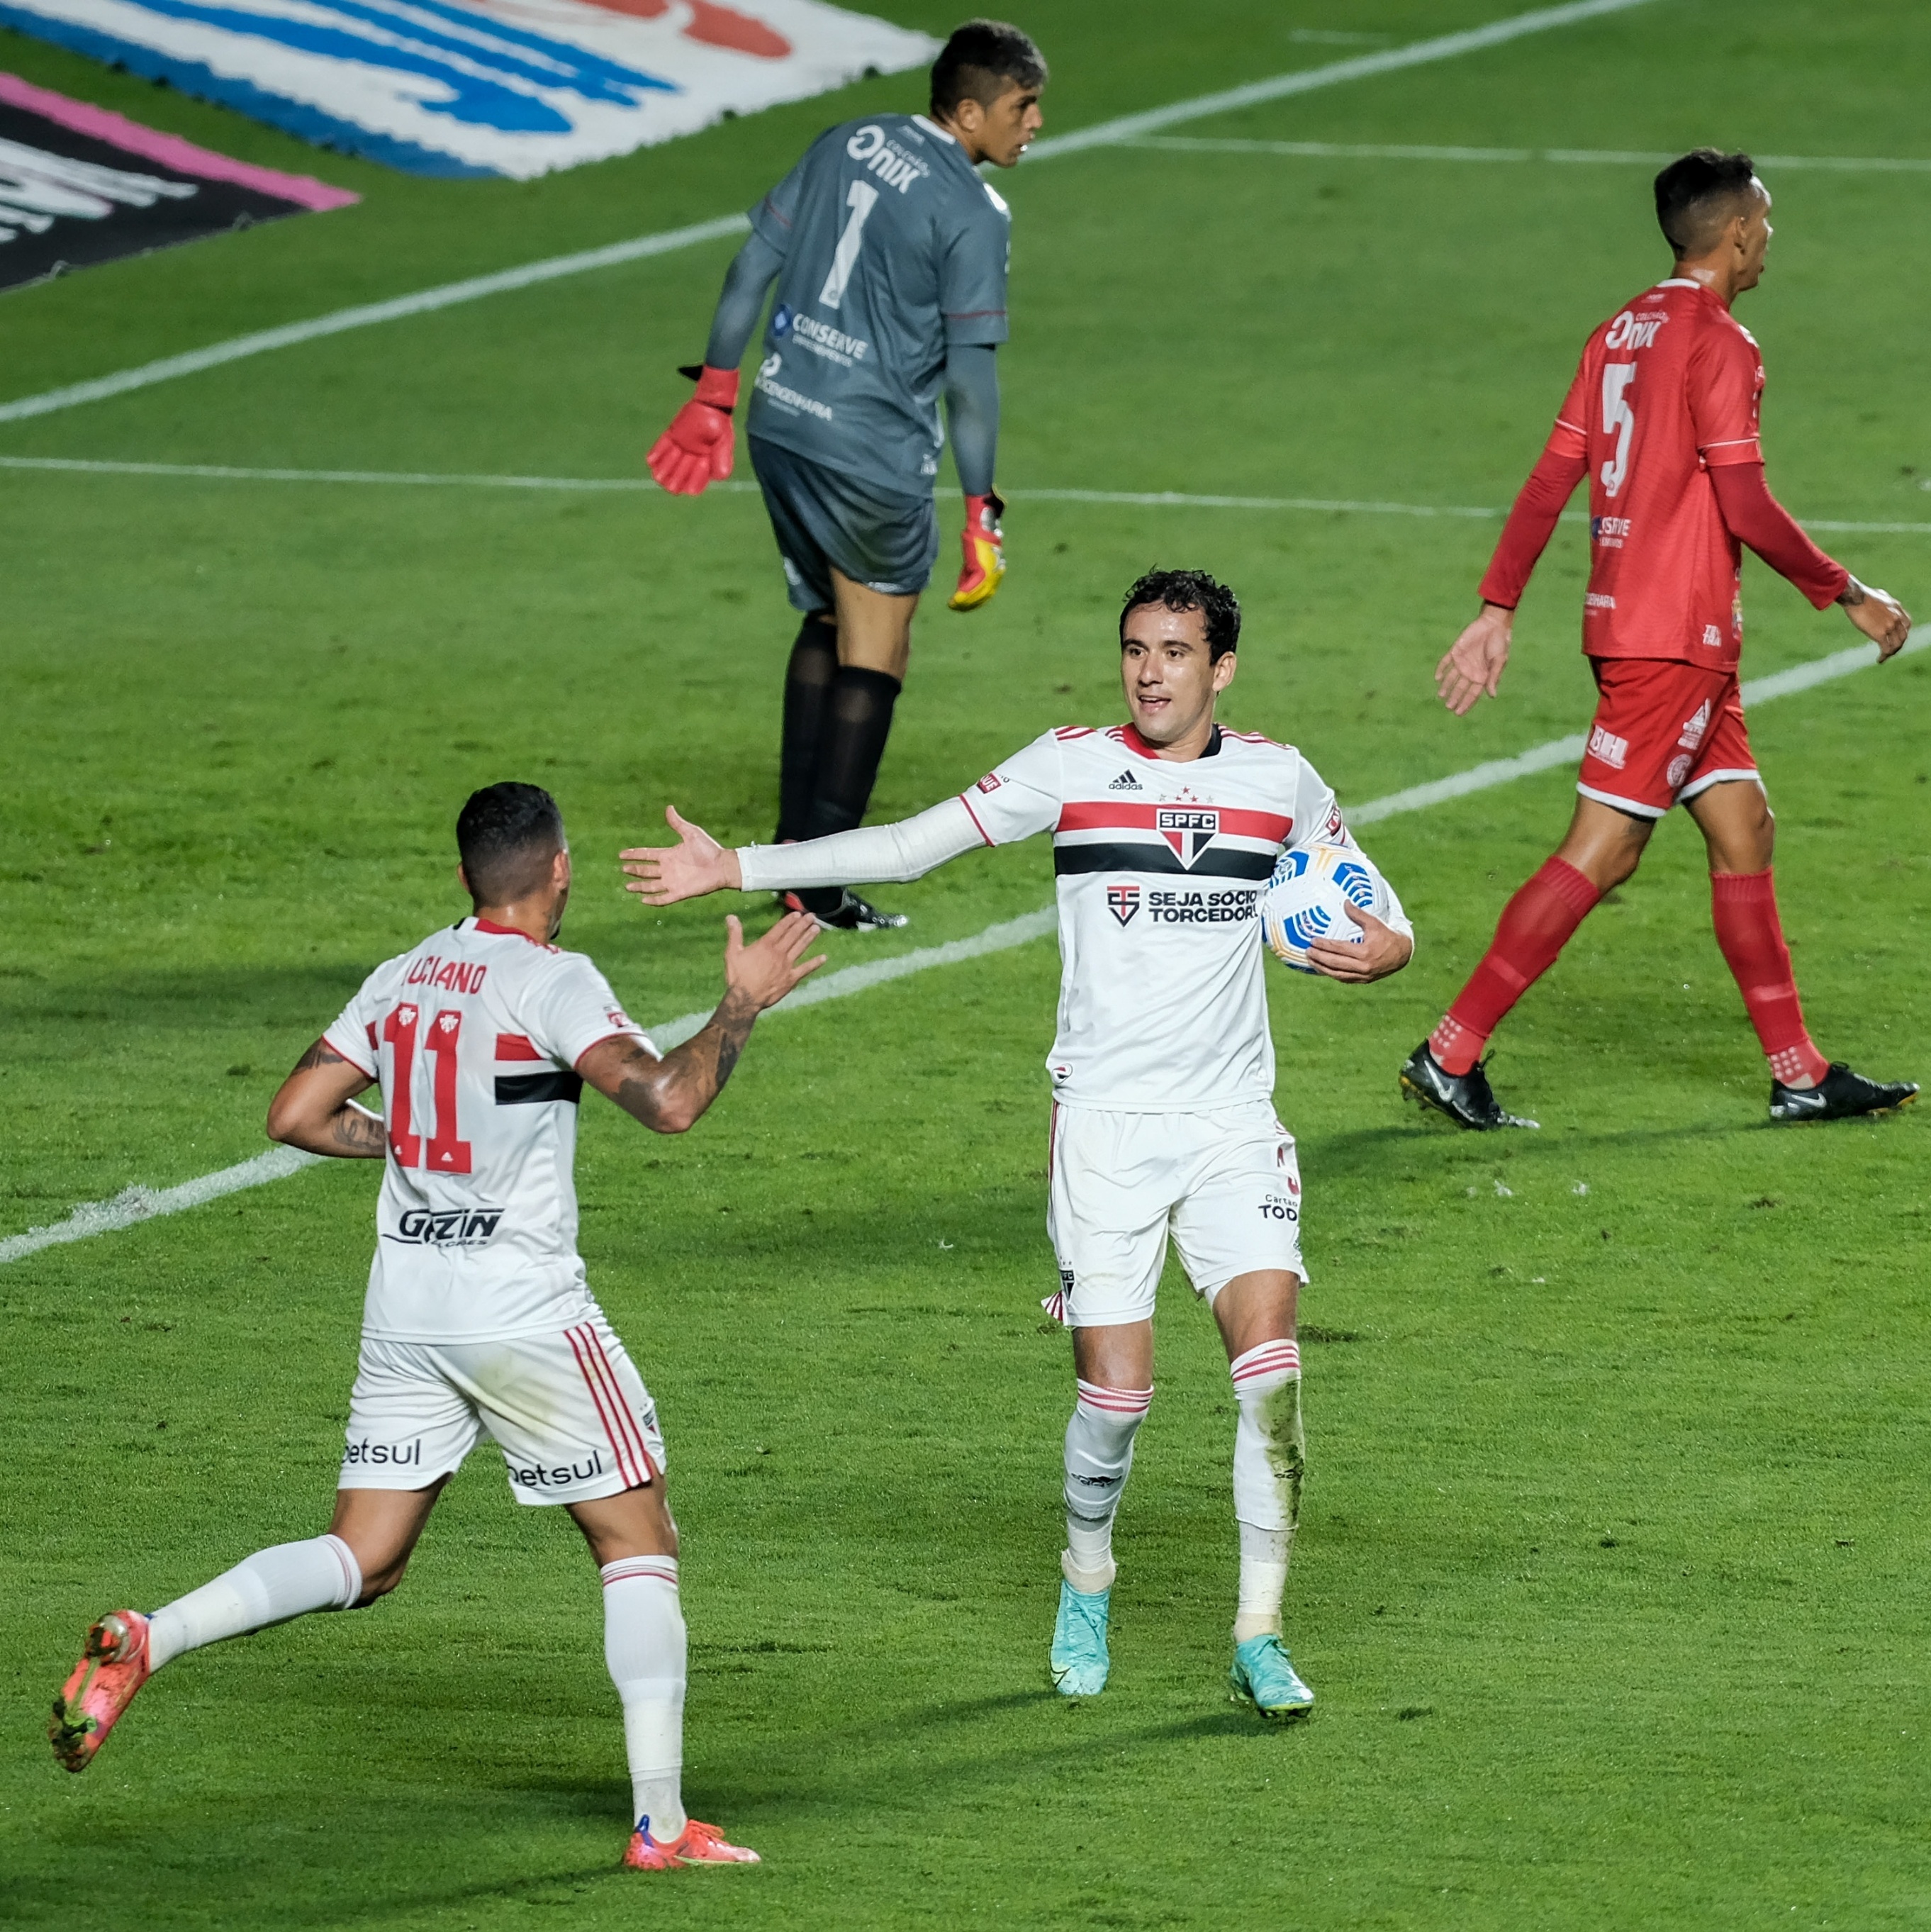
(1189, 830)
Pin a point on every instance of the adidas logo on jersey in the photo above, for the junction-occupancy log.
(1126, 781)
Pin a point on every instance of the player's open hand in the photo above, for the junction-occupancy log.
(1380, 951)
(696, 865)
(1473, 666)
(1880, 617)
(765, 970)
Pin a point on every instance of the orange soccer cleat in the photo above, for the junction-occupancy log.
(697, 1844)
(113, 1665)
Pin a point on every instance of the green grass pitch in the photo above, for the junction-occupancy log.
(1611, 1575)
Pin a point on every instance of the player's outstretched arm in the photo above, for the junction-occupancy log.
(661, 875)
(315, 1108)
(670, 1095)
(1472, 666)
(1382, 950)
(1877, 614)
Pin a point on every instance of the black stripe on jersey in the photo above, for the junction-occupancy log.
(1230, 863)
(530, 1089)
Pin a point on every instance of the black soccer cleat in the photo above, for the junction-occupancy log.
(841, 910)
(1841, 1095)
(1465, 1098)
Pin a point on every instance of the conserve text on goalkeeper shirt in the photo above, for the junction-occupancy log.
(1159, 867)
(475, 1035)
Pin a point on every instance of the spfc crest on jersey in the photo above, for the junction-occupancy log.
(1188, 830)
(1123, 901)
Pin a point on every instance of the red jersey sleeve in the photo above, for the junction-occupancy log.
(1726, 390)
(1539, 504)
(1753, 516)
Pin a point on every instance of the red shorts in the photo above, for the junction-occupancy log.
(1663, 731)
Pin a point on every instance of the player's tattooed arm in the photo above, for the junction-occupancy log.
(670, 1095)
(315, 1108)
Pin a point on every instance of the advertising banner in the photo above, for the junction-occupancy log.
(482, 87)
(79, 185)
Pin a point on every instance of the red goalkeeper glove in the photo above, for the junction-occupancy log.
(696, 448)
(985, 553)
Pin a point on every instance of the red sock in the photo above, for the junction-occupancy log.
(1743, 908)
(1535, 926)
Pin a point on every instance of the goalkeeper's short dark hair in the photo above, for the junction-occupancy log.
(981, 61)
(1189, 590)
(1697, 194)
(508, 834)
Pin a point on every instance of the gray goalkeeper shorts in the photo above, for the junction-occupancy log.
(826, 519)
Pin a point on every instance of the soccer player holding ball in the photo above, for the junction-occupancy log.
(1662, 416)
(889, 254)
(478, 1319)
(1165, 831)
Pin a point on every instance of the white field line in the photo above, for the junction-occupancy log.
(1591, 158)
(1127, 499)
(1125, 126)
(134, 1204)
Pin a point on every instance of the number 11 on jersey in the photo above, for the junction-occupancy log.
(446, 1154)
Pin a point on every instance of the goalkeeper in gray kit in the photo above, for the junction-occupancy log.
(888, 256)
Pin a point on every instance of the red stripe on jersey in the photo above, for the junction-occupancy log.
(633, 1430)
(1105, 815)
(974, 817)
(510, 932)
(625, 1469)
(1063, 732)
(514, 1046)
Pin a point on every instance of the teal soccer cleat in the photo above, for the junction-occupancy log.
(1079, 1658)
(1264, 1674)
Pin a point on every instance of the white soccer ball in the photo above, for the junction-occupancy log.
(1306, 897)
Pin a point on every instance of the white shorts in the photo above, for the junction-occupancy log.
(1225, 1182)
(570, 1413)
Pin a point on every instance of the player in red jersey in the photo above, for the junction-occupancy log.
(1662, 416)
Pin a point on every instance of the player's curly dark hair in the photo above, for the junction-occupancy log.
(981, 61)
(1189, 590)
(1697, 194)
(508, 834)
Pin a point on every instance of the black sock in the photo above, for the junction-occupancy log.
(814, 663)
(858, 719)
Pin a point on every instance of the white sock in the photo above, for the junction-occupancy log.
(1270, 1454)
(269, 1587)
(1098, 1454)
(644, 1647)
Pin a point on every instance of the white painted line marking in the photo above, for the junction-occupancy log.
(135, 1204)
(850, 979)
(1104, 133)
(1592, 157)
(1362, 67)
(421, 303)
(1127, 499)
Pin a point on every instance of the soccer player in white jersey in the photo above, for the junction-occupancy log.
(478, 1319)
(1164, 831)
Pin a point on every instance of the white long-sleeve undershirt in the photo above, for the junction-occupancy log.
(872, 855)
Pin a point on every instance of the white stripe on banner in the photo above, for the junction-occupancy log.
(1420, 53)
(1593, 157)
(136, 1205)
(1128, 498)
